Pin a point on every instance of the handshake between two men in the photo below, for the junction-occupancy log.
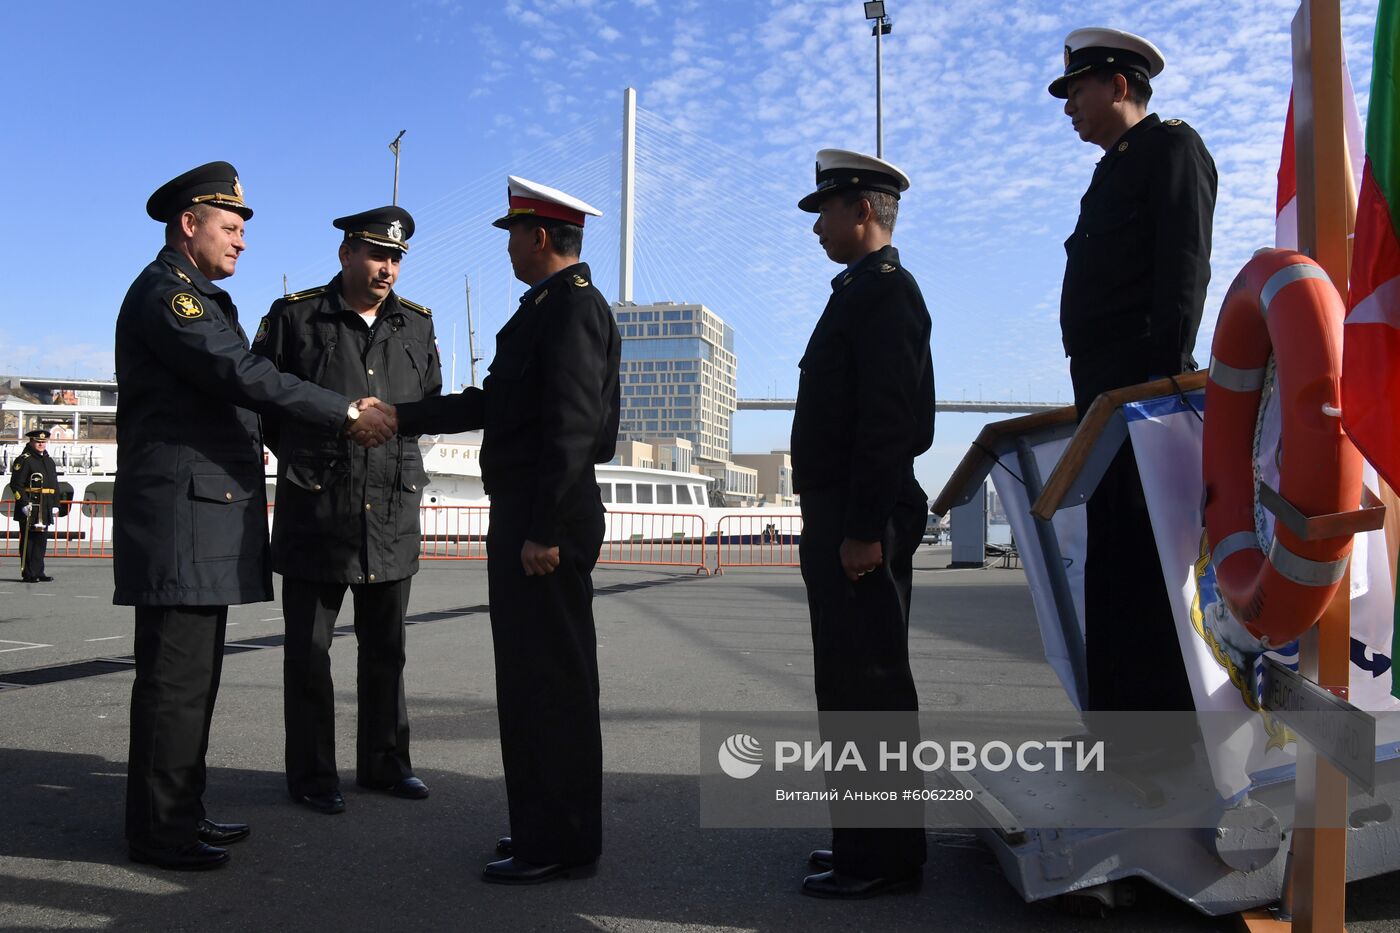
(372, 422)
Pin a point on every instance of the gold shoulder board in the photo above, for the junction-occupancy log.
(1173, 122)
(415, 306)
(309, 293)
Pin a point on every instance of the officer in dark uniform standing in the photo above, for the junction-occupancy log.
(549, 410)
(34, 483)
(348, 517)
(190, 507)
(864, 412)
(1137, 267)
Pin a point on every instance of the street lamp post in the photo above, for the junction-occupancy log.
(394, 148)
(875, 9)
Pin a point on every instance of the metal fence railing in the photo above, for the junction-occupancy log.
(655, 539)
(453, 532)
(757, 541)
(450, 532)
(458, 532)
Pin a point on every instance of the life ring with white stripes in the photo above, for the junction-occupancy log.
(1281, 304)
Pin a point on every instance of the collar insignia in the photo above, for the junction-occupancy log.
(887, 267)
(181, 274)
(540, 296)
(1123, 147)
(580, 281)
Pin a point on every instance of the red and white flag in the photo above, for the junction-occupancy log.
(1286, 209)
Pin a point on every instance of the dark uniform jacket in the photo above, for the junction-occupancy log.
(865, 397)
(1139, 258)
(34, 484)
(190, 507)
(549, 407)
(344, 514)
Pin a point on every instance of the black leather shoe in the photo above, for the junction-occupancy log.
(194, 857)
(504, 846)
(410, 788)
(221, 834)
(44, 579)
(820, 858)
(323, 803)
(845, 887)
(515, 871)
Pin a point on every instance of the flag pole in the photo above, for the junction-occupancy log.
(1318, 883)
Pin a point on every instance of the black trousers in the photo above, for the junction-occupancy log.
(547, 681)
(33, 545)
(1131, 646)
(860, 648)
(310, 608)
(179, 656)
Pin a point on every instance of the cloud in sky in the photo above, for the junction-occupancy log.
(736, 100)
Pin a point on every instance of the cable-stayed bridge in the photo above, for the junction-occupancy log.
(712, 226)
(991, 408)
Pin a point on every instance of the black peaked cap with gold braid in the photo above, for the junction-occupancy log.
(214, 183)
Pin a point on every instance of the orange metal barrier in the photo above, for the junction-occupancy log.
(659, 539)
(86, 531)
(453, 532)
(450, 532)
(756, 541)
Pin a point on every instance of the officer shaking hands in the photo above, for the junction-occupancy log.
(190, 507)
(1136, 270)
(34, 484)
(549, 412)
(348, 518)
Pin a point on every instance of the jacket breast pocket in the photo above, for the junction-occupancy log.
(508, 389)
(1110, 242)
(228, 517)
(418, 363)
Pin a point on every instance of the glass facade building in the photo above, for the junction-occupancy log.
(678, 375)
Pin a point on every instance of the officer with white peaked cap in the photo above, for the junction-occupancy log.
(1136, 270)
(864, 412)
(548, 412)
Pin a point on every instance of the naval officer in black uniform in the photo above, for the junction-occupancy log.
(34, 484)
(864, 412)
(1135, 281)
(549, 412)
(348, 517)
(189, 507)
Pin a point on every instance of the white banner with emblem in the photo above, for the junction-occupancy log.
(1166, 437)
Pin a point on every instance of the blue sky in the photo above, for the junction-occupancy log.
(108, 101)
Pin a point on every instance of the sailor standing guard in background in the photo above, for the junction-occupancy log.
(189, 529)
(348, 518)
(864, 412)
(34, 484)
(549, 412)
(1136, 271)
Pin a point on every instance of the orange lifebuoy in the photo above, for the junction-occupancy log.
(1281, 303)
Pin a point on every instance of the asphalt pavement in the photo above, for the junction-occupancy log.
(676, 650)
